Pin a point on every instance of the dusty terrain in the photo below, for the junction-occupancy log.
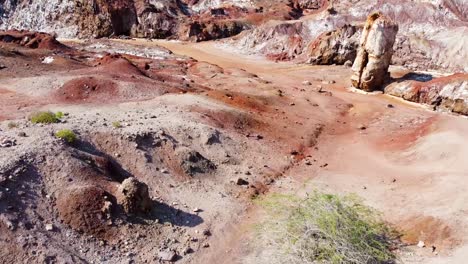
(176, 138)
(198, 125)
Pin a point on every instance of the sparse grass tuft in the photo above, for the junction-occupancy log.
(116, 124)
(12, 125)
(325, 228)
(67, 135)
(44, 118)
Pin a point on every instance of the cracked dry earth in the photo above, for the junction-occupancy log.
(207, 130)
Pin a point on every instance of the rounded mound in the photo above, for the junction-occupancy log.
(87, 89)
(116, 63)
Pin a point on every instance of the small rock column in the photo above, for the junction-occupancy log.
(375, 53)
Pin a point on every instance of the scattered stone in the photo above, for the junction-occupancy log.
(362, 127)
(49, 227)
(206, 232)
(421, 244)
(168, 255)
(306, 83)
(390, 106)
(348, 64)
(22, 134)
(212, 137)
(192, 162)
(241, 181)
(197, 210)
(7, 142)
(188, 250)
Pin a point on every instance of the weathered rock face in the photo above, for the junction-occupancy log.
(104, 17)
(279, 41)
(133, 196)
(154, 21)
(335, 47)
(208, 30)
(448, 93)
(375, 53)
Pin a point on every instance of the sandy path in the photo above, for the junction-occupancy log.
(408, 162)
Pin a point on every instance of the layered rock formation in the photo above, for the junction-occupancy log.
(375, 53)
(335, 47)
(105, 18)
(448, 93)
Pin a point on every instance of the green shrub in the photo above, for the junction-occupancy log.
(325, 228)
(44, 118)
(116, 124)
(59, 115)
(67, 135)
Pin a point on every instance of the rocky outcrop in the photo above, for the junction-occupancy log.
(106, 18)
(448, 93)
(155, 21)
(334, 47)
(133, 196)
(276, 40)
(309, 4)
(103, 17)
(209, 30)
(375, 53)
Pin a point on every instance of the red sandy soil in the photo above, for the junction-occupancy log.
(343, 147)
(338, 140)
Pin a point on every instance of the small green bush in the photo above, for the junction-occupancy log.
(44, 118)
(325, 228)
(12, 125)
(67, 135)
(59, 115)
(116, 124)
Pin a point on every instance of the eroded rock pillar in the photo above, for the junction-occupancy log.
(375, 53)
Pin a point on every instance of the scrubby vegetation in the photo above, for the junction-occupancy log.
(12, 125)
(325, 228)
(116, 124)
(59, 115)
(66, 135)
(44, 118)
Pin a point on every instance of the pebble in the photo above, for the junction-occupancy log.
(241, 181)
(168, 255)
